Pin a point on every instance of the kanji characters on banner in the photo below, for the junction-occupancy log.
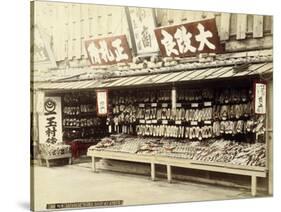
(189, 39)
(50, 124)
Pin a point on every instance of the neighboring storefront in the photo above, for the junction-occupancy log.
(196, 106)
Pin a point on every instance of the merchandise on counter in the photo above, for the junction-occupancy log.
(86, 140)
(211, 150)
(105, 142)
(54, 149)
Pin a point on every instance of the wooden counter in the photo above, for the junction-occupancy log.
(252, 171)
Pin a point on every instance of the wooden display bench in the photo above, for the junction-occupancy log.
(47, 158)
(251, 171)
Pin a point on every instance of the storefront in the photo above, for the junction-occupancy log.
(193, 106)
(206, 119)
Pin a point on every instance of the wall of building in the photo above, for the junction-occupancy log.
(69, 25)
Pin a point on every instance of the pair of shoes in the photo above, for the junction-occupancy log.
(216, 128)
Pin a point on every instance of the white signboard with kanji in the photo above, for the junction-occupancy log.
(260, 98)
(143, 24)
(50, 121)
(102, 102)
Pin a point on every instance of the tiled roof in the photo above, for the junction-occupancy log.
(147, 68)
(162, 78)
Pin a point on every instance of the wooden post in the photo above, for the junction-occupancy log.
(93, 164)
(269, 144)
(40, 159)
(131, 30)
(69, 161)
(254, 185)
(169, 173)
(153, 171)
(174, 101)
(47, 163)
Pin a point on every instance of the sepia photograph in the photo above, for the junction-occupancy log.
(139, 105)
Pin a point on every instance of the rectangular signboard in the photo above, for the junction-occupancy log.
(108, 50)
(50, 124)
(189, 39)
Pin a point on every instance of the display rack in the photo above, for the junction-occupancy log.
(79, 118)
(82, 127)
(196, 115)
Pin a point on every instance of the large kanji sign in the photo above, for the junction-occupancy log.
(109, 50)
(50, 124)
(189, 39)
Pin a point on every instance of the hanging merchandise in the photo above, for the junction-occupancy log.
(79, 117)
(199, 114)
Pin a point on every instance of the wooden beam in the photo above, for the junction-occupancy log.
(181, 162)
(77, 30)
(65, 35)
(249, 44)
(224, 26)
(70, 52)
(250, 20)
(233, 23)
(268, 24)
(241, 26)
(258, 26)
(84, 28)
(92, 18)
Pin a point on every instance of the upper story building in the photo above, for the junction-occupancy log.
(66, 26)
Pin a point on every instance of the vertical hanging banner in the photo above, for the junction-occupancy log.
(189, 39)
(260, 97)
(50, 123)
(102, 102)
(143, 24)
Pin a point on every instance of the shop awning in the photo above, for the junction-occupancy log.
(166, 78)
